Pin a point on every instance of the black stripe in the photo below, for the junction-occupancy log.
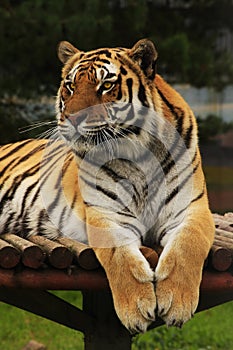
(42, 218)
(104, 61)
(75, 197)
(161, 236)
(129, 83)
(136, 197)
(179, 116)
(30, 170)
(108, 193)
(132, 228)
(98, 52)
(105, 191)
(15, 149)
(126, 212)
(169, 166)
(19, 160)
(174, 192)
(172, 108)
(142, 95)
(188, 135)
(26, 194)
(24, 229)
(54, 203)
(179, 124)
(7, 224)
(119, 81)
(199, 196)
(62, 216)
(123, 70)
(36, 195)
(196, 167)
(172, 160)
(6, 167)
(4, 147)
(9, 194)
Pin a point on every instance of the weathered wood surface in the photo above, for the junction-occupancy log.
(64, 253)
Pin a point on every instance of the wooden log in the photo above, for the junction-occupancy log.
(223, 233)
(220, 258)
(83, 254)
(9, 255)
(223, 242)
(224, 222)
(58, 255)
(86, 257)
(150, 255)
(31, 255)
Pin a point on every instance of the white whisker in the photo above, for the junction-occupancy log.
(36, 125)
(50, 133)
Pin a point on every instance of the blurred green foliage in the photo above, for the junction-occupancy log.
(185, 33)
(211, 126)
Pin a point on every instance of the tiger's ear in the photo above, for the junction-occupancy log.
(145, 54)
(65, 50)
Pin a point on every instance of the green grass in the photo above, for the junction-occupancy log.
(18, 327)
(209, 330)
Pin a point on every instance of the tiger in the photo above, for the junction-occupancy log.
(121, 169)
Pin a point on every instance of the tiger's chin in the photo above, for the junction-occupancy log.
(82, 145)
(99, 140)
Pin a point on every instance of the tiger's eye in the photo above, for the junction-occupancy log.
(107, 85)
(72, 86)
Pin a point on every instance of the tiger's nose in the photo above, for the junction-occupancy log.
(90, 116)
(77, 118)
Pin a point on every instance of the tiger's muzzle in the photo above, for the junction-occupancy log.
(91, 119)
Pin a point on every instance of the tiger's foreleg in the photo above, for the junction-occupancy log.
(130, 277)
(179, 271)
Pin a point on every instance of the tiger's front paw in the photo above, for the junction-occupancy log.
(134, 294)
(135, 305)
(177, 290)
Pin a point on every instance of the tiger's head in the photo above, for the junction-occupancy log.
(100, 89)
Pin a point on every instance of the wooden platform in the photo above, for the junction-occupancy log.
(28, 268)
